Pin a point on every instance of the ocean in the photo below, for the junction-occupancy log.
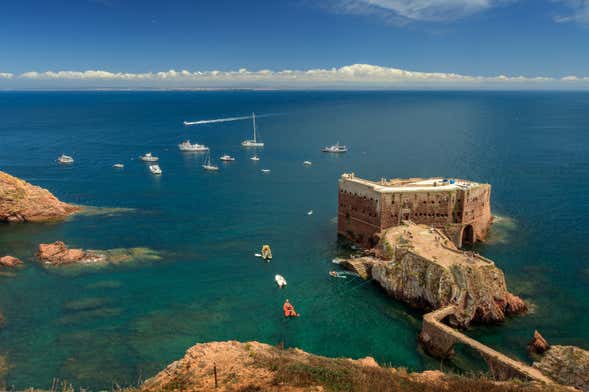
(119, 324)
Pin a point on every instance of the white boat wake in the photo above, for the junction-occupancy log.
(226, 119)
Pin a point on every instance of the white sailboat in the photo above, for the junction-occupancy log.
(254, 142)
(208, 166)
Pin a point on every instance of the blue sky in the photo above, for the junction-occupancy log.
(479, 39)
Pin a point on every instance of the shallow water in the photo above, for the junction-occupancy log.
(121, 323)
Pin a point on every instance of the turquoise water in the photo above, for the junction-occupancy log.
(118, 324)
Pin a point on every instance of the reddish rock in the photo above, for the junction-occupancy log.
(538, 345)
(58, 253)
(23, 202)
(9, 261)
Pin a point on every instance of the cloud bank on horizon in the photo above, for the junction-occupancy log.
(351, 76)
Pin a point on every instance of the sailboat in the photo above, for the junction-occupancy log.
(254, 142)
(208, 166)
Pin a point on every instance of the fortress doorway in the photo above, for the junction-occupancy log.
(467, 238)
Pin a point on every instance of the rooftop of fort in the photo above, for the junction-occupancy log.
(412, 184)
(431, 244)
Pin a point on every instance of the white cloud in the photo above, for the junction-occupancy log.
(403, 11)
(579, 11)
(351, 76)
(6, 75)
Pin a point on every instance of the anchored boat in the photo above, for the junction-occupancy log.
(65, 159)
(189, 147)
(208, 166)
(149, 158)
(155, 169)
(254, 142)
(336, 148)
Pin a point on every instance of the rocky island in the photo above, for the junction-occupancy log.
(420, 266)
(24, 202)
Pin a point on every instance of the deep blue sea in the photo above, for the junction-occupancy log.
(97, 327)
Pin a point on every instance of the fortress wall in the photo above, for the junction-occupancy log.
(477, 210)
(364, 211)
(358, 212)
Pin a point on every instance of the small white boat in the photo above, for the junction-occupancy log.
(265, 170)
(189, 147)
(307, 163)
(118, 165)
(255, 158)
(227, 158)
(155, 169)
(336, 148)
(208, 166)
(254, 142)
(65, 159)
(149, 158)
(280, 281)
(310, 212)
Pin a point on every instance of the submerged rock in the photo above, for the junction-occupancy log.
(422, 267)
(10, 262)
(23, 202)
(568, 365)
(58, 253)
(538, 345)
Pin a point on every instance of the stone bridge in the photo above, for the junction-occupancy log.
(439, 339)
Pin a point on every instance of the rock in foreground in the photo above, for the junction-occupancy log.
(255, 366)
(422, 267)
(23, 202)
(58, 253)
(10, 262)
(568, 365)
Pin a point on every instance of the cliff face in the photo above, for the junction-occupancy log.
(423, 268)
(23, 202)
(255, 366)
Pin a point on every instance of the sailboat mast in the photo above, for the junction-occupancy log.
(254, 119)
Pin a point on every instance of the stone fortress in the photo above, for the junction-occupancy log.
(460, 209)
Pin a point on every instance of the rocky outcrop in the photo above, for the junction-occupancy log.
(567, 365)
(10, 262)
(58, 253)
(23, 202)
(256, 366)
(538, 345)
(422, 267)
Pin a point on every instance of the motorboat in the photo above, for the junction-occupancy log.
(307, 163)
(336, 148)
(254, 142)
(265, 170)
(280, 281)
(149, 158)
(208, 166)
(227, 158)
(65, 159)
(155, 169)
(189, 147)
(255, 158)
(118, 166)
(310, 212)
